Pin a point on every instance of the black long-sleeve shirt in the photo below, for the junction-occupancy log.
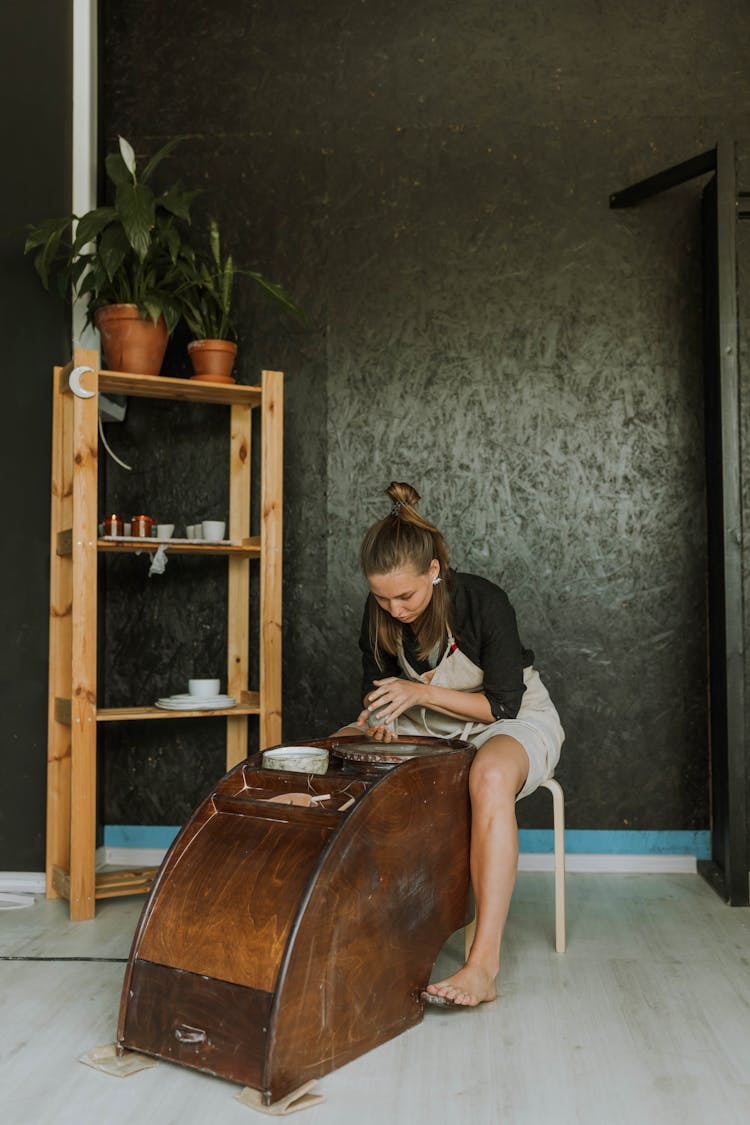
(485, 630)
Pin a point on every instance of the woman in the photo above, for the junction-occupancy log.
(442, 656)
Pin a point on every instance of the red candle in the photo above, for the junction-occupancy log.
(113, 525)
(141, 526)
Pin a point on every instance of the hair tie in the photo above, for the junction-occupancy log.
(396, 507)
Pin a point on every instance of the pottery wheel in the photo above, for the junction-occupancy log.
(392, 752)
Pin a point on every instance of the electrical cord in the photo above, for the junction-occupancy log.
(109, 451)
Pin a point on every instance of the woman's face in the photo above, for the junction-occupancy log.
(404, 593)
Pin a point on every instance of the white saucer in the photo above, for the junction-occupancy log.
(196, 703)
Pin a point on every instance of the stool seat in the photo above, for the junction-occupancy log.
(558, 821)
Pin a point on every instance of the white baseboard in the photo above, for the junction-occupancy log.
(527, 861)
(33, 882)
(23, 882)
(129, 857)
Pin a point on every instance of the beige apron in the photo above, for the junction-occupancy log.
(537, 725)
(454, 670)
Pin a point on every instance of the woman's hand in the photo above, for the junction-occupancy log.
(393, 696)
(376, 733)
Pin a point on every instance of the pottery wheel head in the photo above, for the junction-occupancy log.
(364, 750)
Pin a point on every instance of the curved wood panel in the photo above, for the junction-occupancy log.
(228, 908)
(319, 924)
(390, 891)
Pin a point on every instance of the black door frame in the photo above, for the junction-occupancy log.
(727, 870)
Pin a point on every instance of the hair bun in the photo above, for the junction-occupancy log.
(402, 493)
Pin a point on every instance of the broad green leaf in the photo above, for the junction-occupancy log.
(164, 151)
(117, 169)
(135, 206)
(91, 225)
(172, 239)
(39, 234)
(46, 258)
(171, 310)
(153, 309)
(87, 285)
(177, 201)
(77, 271)
(113, 248)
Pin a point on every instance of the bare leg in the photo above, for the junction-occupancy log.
(498, 774)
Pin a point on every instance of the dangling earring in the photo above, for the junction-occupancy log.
(437, 581)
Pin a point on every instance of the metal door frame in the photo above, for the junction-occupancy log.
(727, 870)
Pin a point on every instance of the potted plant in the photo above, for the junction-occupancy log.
(207, 309)
(128, 257)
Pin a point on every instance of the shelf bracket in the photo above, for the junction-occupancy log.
(63, 711)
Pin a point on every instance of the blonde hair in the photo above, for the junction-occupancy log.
(406, 539)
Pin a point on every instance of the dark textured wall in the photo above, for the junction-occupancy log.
(35, 89)
(431, 180)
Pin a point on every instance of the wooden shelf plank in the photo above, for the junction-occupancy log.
(110, 884)
(249, 548)
(184, 390)
(249, 705)
(115, 883)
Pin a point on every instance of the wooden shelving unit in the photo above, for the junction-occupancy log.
(74, 631)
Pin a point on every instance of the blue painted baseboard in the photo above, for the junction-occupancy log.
(591, 841)
(535, 840)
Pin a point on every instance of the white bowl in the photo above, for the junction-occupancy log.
(296, 759)
(213, 530)
(204, 688)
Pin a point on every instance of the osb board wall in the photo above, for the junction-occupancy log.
(432, 182)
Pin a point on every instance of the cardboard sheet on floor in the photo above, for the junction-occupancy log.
(300, 1098)
(107, 1060)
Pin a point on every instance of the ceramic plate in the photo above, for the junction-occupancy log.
(219, 702)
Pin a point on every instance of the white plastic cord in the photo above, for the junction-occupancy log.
(15, 902)
(109, 451)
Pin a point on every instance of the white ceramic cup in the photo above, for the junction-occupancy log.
(213, 530)
(164, 530)
(204, 689)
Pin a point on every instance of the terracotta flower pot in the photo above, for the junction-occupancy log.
(212, 360)
(130, 342)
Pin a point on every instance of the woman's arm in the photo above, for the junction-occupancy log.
(393, 696)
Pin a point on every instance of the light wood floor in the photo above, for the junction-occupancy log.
(646, 1019)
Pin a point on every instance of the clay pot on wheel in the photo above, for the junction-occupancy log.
(131, 342)
(212, 360)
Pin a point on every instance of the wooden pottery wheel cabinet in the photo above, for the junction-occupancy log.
(280, 942)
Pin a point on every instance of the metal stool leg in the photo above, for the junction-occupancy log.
(558, 818)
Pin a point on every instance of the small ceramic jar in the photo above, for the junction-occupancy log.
(141, 526)
(113, 525)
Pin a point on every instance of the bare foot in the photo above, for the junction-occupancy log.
(469, 987)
